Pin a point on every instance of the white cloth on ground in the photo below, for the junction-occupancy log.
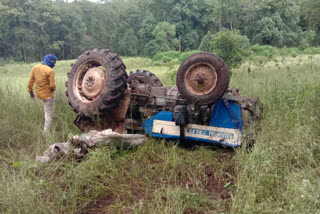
(92, 139)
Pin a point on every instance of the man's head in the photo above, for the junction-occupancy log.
(50, 60)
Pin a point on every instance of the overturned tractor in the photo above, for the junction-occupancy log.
(201, 107)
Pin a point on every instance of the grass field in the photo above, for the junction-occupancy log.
(279, 175)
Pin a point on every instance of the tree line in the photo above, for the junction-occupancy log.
(29, 29)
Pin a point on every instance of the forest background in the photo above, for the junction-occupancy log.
(31, 29)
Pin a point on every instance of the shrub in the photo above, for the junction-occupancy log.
(312, 50)
(151, 48)
(231, 47)
(166, 56)
(206, 43)
(265, 50)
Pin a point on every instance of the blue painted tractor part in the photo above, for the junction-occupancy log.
(201, 108)
(225, 125)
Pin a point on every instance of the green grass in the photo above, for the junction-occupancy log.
(279, 175)
(272, 52)
(282, 169)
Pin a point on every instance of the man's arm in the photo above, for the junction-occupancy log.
(52, 81)
(30, 85)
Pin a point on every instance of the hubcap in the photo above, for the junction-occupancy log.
(89, 81)
(93, 83)
(201, 79)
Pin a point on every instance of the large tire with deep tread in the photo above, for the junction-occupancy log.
(202, 78)
(96, 82)
(144, 77)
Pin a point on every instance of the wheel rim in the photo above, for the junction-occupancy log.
(201, 79)
(89, 82)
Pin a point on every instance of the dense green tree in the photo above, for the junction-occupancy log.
(310, 15)
(151, 48)
(13, 42)
(230, 46)
(73, 30)
(128, 44)
(161, 8)
(227, 13)
(192, 20)
(206, 42)
(164, 34)
(31, 28)
(44, 18)
(274, 22)
(145, 33)
(191, 41)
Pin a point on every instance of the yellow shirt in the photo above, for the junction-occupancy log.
(43, 78)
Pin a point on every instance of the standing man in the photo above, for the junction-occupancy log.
(42, 76)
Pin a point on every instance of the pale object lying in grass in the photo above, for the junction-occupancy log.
(91, 139)
(54, 151)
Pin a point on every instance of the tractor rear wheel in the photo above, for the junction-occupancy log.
(96, 82)
(202, 78)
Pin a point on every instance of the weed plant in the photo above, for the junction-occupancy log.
(278, 175)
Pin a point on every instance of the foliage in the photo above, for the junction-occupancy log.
(145, 34)
(192, 20)
(151, 48)
(273, 52)
(206, 43)
(126, 43)
(228, 11)
(275, 23)
(231, 47)
(310, 15)
(191, 41)
(164, 34)
(32, 28)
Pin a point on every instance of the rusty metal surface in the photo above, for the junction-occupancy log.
(143, 77)
(251, 104)
(114, 119)
(201, 79)
(161, 98)
(93, 83)
(245, 117)
(234, 91)
(89, 82)
(251, 107)
(133, 125)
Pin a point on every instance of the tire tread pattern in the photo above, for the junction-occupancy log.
(150, 78)
(112, 93)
